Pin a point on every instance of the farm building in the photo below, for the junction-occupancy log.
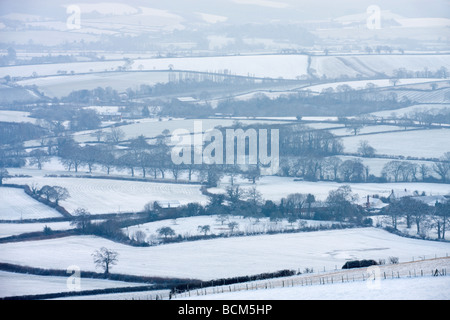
(429, 200)
(168, 204)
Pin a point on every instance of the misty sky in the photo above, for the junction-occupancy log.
(279, 9)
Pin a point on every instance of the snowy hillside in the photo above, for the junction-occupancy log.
(210, 259)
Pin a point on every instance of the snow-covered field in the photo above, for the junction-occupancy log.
(366, 130)
(425, 288)
(60, 86)
(212, 259)
(373, 65)
(412, 109)
(15, 116)
(421, 96)
(15, 204)
(151, 127)
(366, 84)
(14, 229)
(16, 284)
(111, 196)
(431, 143)
(190, 226)
(286, 66)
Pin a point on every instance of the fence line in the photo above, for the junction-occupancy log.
(318, 280)
(338, 276)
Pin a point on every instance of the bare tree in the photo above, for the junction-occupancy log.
(90, 155)
(396, 170)
(82, 219)
(355, 127)
(222, 218)
(105, 258)
(424, 170)
(38, 157)
(4, 174)
(442, 168)
(47, 191)
(332, 165)
(253, 173)
(394, 81)
(310, 199)
(394, 210)
(232, 226)
(140, 236)
(340, 203)
(352, 170)
(254, 196)
(365, 149)
(295, 203)
(442, 218)
(175, 169)
(166, 232)
(107, 159)
(235, 194)
(60, 194)
(232, 170)
(205, 229)
(98, 135)
(420, 211)
(115, 135)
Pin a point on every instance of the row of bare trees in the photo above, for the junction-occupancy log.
(425, 217)
(331, 168)
(404, 171)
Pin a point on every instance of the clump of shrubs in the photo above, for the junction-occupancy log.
(359, 264)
